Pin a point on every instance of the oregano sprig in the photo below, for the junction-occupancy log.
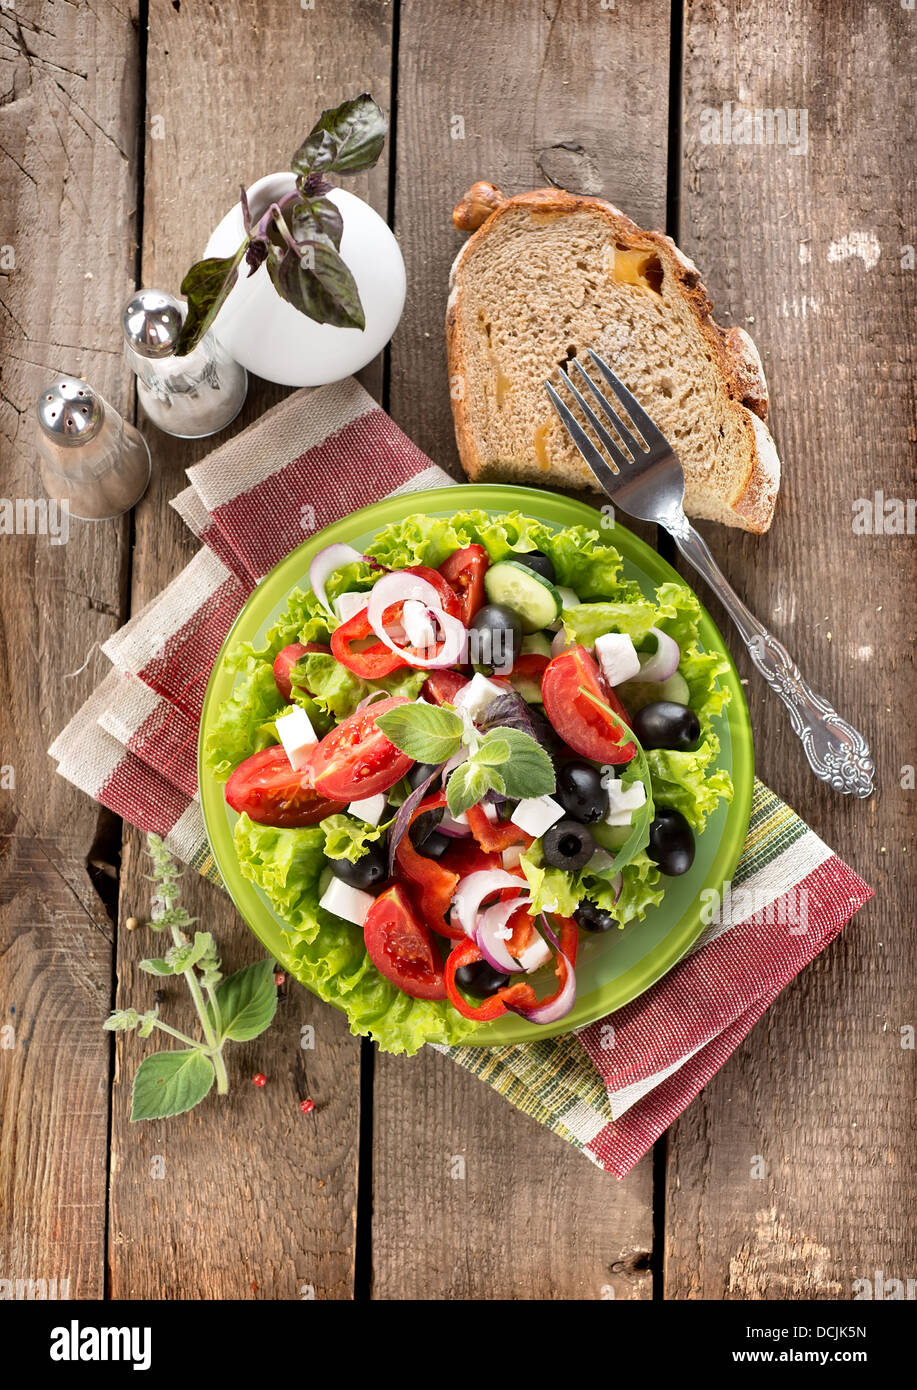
(235, 1009)
(298, 237)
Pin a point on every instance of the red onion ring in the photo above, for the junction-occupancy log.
(663, 662)
(455, 828)
(488, 934)
(561, 641)
(325, 563)
(561, 1006)
(472, 891)
(368, 699)
(398, 587)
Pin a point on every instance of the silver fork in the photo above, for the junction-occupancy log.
(650, 484)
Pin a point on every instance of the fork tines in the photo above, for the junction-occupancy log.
(638, 449)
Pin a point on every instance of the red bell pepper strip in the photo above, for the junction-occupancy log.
(437, 885)
(495, 835)
(519, 993)
(373, 662)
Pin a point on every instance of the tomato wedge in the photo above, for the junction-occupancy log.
(495, 835)
(464, 569)
(285, 660)
(435, 884)
(441, 687)
(589, 730)
(356, 760)
(451, 601)
(266, 788)
(400, 947)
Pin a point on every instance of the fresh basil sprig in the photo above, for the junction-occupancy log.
(299, 236)
(503, 760)
(236, 1009)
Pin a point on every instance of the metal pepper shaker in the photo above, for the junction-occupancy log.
(91, 458)
(191, 396)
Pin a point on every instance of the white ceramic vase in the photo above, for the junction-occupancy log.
(274, 340)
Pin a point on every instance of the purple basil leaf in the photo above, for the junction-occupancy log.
(319, 285)
(317, 220)
(407, 808)
(246, 211)
(313, 185)
(344, 140)
(256, 254)
(206, 288)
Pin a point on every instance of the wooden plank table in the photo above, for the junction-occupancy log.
(124, 131)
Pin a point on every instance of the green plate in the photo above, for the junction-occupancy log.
(613, 968)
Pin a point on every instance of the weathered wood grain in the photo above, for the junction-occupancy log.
(237, 88)
(574, 94)
(68, 122)
(806, 251)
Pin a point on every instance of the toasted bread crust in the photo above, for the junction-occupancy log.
(735, 356)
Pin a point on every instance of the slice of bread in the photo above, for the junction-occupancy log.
(547, 275)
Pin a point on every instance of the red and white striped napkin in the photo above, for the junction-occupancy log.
(609, 1089)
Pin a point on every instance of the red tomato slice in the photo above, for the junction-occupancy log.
(589, 730)
(465, 570)
(441, 687)
(451, 601)
(285, 660)
(400, 947)
(268, 790)
(356, 760)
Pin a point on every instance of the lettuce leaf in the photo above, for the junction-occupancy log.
(640, 889)
(347, 837)
(327, 954)
(587, 621)
(339, 691)
(552, 890)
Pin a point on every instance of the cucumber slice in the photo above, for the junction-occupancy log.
(536, 644)
(636, 693)
(568, 599)
(611, 837)
(528, 594)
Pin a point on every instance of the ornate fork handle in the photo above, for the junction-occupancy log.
(837, 753)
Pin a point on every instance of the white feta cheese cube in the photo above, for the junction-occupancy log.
(297, 735)
(369, 809)
(345, 605)
(617, 656)
(512, 856)
(623, 802)
(536, 814)
(475, 697)
(419, 627)
(490, 811)
(350, 903)
(535, 954)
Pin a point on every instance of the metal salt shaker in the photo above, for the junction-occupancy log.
(91, 458)
(191, 396)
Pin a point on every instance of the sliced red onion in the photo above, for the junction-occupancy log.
(663, 662)
(368, 699)
(472, 891)
(398, 587)
(561, 1006)
(561, 641)
(489, 934)
(325, 563)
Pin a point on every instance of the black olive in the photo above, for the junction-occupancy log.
(535, 560)
(419, 773)
(664, 724)
(580, 791)
(567, 845)
(592, 917)
(494, 636)
(671, 842)
(435, 845)
(480, 979)
(366, 872)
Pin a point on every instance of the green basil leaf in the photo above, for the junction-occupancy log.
(206, 287)
(492, 752)
(427, 733)
(247, 1001)
(343, 140)
(318, 284)
(157, 966)
(466, 786)
(528, 771)
(169, 1083)
(317, 219)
